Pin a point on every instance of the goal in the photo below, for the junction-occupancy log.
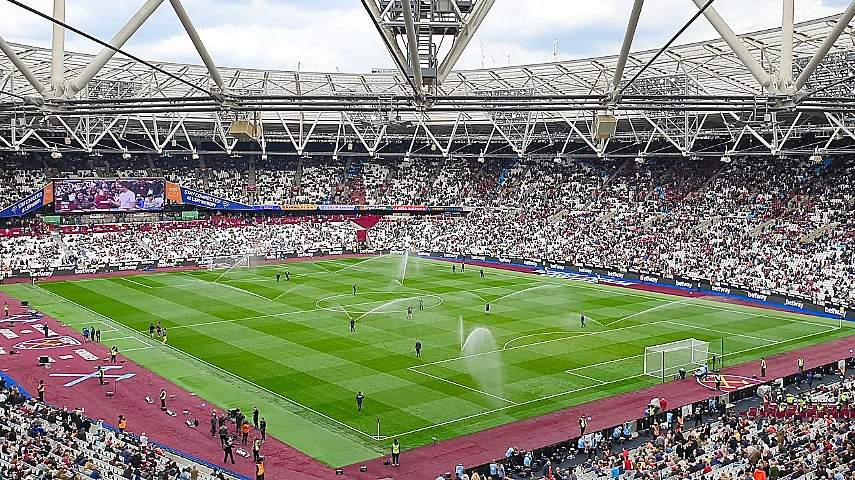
(236, 268)
(228, 264)
(662, 361)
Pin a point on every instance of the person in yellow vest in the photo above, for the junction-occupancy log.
(762, 367)
(163, 399)
(801, 364)
(718, 379)
(583, 424)
(396, 453)
(256, 449)
(791, 399)
(259, 469)
(123, 423)
(100, 375)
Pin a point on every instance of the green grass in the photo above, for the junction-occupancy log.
(287, 347)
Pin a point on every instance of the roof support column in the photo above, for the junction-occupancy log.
(829, 41)
(57, 66)
(737, 46)
(19, 64)
(413, 46)
(627, 42)
(466, 35)
(786, 67)
(97, 63)
(197, 42)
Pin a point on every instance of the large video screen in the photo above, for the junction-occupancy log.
(81, 195)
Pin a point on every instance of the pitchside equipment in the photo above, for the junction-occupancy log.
(662, 361)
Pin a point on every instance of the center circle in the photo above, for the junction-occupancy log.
(380, 302)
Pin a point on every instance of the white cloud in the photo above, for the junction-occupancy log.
(328, 34)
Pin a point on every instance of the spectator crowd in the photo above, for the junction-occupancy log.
(773, 226)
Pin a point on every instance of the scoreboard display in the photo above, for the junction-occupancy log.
(84, 195)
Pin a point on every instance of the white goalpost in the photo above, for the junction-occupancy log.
(662, 361)
(242, 262)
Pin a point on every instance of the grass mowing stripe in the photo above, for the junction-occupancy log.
(226, 372)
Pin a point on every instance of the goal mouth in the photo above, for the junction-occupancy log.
(664, 360)
(228, 267)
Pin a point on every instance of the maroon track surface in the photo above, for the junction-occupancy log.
(281, 460)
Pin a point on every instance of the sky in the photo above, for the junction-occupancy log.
(337, 35)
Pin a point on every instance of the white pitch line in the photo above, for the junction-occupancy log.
(542, 334)
(226, 372)
(657, 307)
(475, 295)
(136, 283)
(360, 263)
(414, 369)
(719, 331)
(523, 291)
(752, 314)
(286, 291)
(135, 349)
(528, 402)
(584, 376)
(241, 290)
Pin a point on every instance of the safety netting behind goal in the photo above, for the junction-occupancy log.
(664, 360)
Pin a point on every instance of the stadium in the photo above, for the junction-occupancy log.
(632, 265)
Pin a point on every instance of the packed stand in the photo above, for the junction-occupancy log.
(40, 441)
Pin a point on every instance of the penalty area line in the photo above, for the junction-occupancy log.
(415, 369)
(657, 307)
(136, 283)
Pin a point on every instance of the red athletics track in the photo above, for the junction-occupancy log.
(281, 460)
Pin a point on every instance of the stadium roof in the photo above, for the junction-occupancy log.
(688, 93)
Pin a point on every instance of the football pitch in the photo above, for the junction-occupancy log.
(240, 338)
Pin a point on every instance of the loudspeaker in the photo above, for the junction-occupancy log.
(606, 126)
(363, 468)
(44, 359)
(339, 471)
(243, 130)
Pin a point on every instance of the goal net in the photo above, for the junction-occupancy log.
(664, 360)
(234, 268)
(228, 264)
